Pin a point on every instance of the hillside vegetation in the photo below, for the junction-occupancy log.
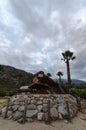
(11, 77)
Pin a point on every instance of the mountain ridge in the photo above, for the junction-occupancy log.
(13, 77)
(74, 81)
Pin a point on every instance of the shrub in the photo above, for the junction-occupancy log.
(79, 92)
(7, 92)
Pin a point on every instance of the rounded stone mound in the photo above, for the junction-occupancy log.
(22, 108)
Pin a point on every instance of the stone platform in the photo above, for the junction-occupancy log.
(46, 107)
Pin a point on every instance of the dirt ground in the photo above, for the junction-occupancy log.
(78, 123)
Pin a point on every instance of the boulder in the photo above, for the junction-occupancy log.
(54, 113)
(32, 107)
(17, 115)
(29, 119)
(39, 102)
(39, 108)
(9, 114)
(15, 107)
(31, 113)
(62, 110)
(40, 116)
(45, 107)
(3, 110)
(21, 108)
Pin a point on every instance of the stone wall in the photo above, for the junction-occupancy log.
(39, 107)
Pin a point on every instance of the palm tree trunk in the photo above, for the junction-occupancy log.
(68, 75)
(59, 79)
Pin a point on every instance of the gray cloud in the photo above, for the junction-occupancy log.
(35, 33)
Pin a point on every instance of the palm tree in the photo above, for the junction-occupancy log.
(59, 74)
(67, 56)
(49, 75)
(60, 81)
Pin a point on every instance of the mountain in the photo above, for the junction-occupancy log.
(78, 82)
(11, 77)
(74, 81)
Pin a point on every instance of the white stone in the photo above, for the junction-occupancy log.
(39, 107)
(21, 108)
(62, 110)
(60, 116)
(40, 116)
(31, 113)
(24, 87)
(39, 102)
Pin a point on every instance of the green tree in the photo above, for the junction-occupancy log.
(49, 75)
(67, 56)
(1, 68)
(59, 74)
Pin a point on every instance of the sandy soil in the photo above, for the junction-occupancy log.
(78, 123)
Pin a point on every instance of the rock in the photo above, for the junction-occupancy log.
(22, 99)
(60, 116)
(15, 97)
(21, 103)
(21, 108)
(39, 102)
(40, 116)
(29, 100)
(17, 102)
(31, 113)
(3, 110)
(55, 106)
(33, 101)
(41, 98)
(9, 114)
(32, 98)
(31, 107)
(62, 110)
(54, 113)
(51, 102)
(61, 99)
(66, 121)
(83, 117)
(52, 97)
(46, 119)
(15, 107)
(72, 99)
(29, 119)
(10, 117)
(45, 107)
(17, 115)
(39, 107)
(20, 120)
(56, 101)
(45, 100)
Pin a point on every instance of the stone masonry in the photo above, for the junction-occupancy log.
(38, 109)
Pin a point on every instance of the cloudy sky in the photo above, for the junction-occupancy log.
(34, 33)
